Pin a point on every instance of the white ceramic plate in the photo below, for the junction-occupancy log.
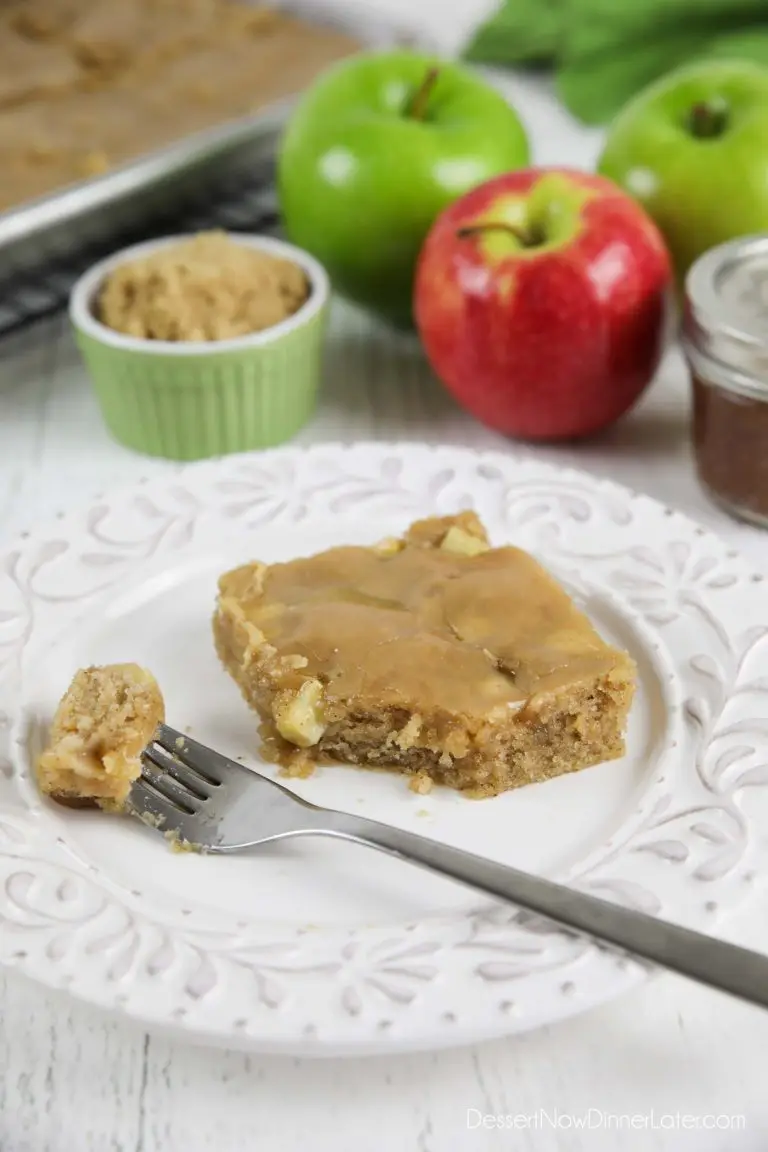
(325, 948)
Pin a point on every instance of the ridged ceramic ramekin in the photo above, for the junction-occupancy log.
(188, 400)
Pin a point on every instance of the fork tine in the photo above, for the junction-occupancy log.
(168, 786)
(212, 766)
(191, 780)
(145, 801)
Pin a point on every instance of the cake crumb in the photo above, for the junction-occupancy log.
(298, 765)
(421, 783)
(180, 846)
(209, 287)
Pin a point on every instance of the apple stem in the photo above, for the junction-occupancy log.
(527, 237)
(416, 106)
(707, 120)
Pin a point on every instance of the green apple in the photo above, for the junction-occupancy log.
(377, 148)
(693, 149)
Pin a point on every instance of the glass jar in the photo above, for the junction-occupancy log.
(725, 340)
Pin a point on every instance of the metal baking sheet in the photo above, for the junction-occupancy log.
(43, 290)
(169, 185)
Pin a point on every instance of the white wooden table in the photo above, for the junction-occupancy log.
(75, 1081)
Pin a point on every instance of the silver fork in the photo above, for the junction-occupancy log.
(214, 804)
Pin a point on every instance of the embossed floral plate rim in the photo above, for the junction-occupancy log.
(688, 852)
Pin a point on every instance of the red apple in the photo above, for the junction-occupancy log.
(540, 298)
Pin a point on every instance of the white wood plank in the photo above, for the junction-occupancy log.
(70, 1079)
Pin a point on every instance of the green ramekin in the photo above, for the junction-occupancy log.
(188, 400)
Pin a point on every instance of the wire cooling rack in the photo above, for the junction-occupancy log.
(248, 205)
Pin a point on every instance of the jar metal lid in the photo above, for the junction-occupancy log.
(726, 312)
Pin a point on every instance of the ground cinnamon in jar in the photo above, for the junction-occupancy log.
(725, 338)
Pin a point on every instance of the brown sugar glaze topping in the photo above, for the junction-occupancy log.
(86, 85)
(466, 633)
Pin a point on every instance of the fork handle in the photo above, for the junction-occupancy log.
(710, 961)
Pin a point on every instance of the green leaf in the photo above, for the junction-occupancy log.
(748, 44)
(594, 87)
(625, 25)
(534, 30)
(608, 50)
(522, 31)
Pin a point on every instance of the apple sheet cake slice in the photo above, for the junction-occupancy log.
(434, 655)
